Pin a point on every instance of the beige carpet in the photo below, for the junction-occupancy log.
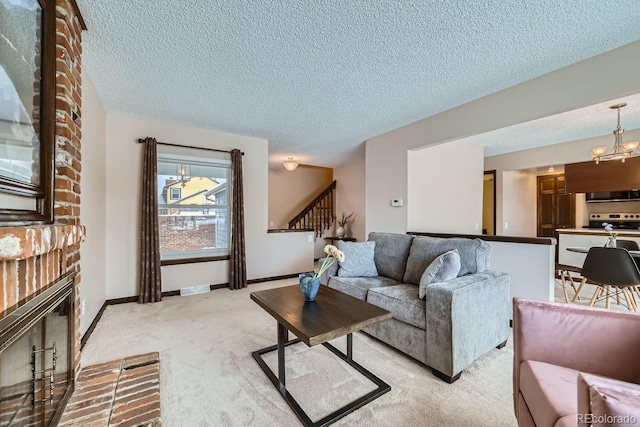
(208, 377)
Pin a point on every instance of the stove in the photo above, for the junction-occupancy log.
(621, 221)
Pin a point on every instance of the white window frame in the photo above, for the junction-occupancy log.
(179, 190)
(201, 161)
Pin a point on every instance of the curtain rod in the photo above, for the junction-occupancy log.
(140, 141)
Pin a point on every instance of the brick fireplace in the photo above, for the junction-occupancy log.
(32, 257)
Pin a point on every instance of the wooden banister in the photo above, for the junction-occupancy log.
(319, 214)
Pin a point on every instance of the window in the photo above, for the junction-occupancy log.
(193, 209)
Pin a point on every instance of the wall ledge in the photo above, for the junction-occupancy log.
(18, 243)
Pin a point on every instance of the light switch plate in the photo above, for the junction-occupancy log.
(396, 202)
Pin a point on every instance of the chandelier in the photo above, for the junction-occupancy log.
(621, 150)
(183, 173)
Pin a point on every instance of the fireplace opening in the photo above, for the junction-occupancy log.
(37, 357)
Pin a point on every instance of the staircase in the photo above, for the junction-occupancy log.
(319, 214)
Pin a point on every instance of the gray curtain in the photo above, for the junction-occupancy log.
(150, 278)
(237, 257)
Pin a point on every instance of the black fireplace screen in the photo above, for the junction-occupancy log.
(36, 356)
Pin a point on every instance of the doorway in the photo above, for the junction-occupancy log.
(489, 203)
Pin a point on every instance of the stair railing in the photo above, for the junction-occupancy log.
(319, 214)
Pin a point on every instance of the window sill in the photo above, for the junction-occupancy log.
(193, 260)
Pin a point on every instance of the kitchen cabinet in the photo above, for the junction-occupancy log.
(613, 175)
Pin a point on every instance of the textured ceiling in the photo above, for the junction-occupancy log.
(595, 120)
(318, 78)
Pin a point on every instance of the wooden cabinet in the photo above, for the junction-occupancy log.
(556, 208)
(587, 177)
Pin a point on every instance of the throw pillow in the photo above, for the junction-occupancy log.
(444, 268)
(358, 259)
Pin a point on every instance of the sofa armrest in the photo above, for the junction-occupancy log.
(606, 397)
(331, 271)
(582, 338)
(466, 317)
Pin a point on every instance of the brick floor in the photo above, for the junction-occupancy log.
(122, 393)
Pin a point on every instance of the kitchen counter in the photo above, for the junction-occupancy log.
(586, 238)
(599, 232)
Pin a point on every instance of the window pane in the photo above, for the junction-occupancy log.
(192, 208)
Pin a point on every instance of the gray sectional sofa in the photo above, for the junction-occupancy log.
(460, 320)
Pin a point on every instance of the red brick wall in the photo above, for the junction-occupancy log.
(178, 233)
(32, 257)
(69, 134)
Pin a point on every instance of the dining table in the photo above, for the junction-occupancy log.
(584, 250)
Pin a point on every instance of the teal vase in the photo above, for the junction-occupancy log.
(309, 285)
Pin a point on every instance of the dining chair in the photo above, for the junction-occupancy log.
(610, 268)
(629, 245)
(564, 272)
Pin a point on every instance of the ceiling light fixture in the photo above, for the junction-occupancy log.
(184, 174)
(621, 150)
(290, 164)
(551, 169)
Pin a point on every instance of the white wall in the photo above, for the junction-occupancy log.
(93, 286)
(572, 87)
(444, 188)
(530, 267)
(350, 194)
(520, 213)
(268, 254)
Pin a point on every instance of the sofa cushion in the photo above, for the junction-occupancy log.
(391, 253)
(474, 255)
(358, 259)
(608, 397)
(444, 268)
(550, 391)
(402, 301)
(359, 286)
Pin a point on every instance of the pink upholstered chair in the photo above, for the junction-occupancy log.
(571, 363)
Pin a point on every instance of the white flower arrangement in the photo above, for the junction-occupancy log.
(333, 254)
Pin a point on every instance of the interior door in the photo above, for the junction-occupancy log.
(556, 208)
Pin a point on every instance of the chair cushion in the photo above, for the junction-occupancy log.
(359, 286)
(358, 259)
(474, 255)
(391, 253)
(402, 301)
(444, 268)
(550, 392)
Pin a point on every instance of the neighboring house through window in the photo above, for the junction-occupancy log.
(194, 211)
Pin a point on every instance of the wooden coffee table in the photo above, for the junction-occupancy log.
(332, 315)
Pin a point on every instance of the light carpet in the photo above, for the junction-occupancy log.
(209, 378)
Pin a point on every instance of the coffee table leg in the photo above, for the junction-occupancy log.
(282, 339)
(350, 346)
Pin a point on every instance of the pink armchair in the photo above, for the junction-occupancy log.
(575, 365)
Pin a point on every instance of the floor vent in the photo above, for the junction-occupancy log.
(200, 289)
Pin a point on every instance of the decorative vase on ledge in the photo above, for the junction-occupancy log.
(340, 231)
(309, 285)
(611, 242)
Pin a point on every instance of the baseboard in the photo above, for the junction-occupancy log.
(268, 279)
(96, 319)
(126, 300)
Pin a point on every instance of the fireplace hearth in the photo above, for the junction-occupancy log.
(37, 356)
